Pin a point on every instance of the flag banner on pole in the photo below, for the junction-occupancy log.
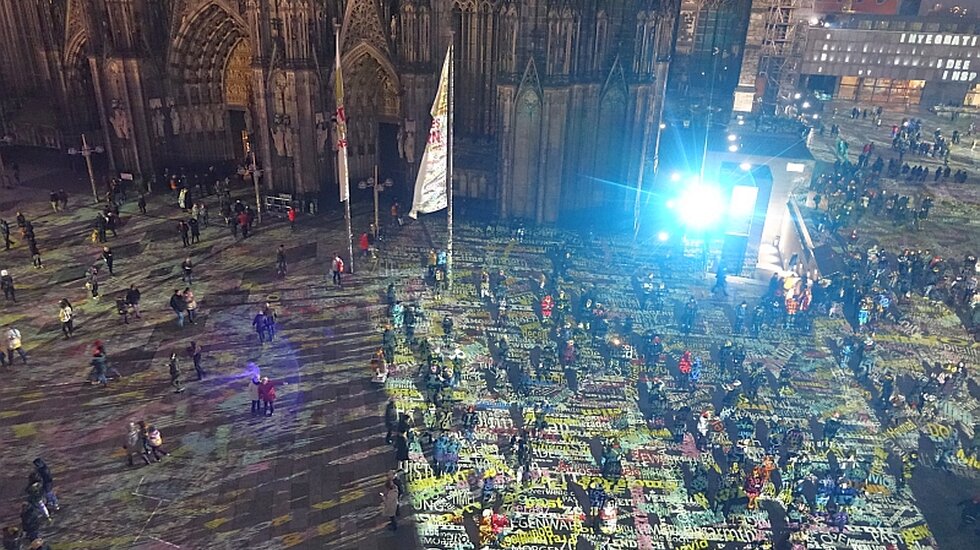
(430, 185)
(343, 175)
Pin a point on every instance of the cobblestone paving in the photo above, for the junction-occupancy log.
(307, 477)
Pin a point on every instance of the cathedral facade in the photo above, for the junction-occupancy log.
(556, 101)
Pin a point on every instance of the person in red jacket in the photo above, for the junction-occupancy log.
(267, 393)
(291, 214)
(365, 244)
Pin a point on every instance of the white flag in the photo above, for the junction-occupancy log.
(432, 181)
(343, 175)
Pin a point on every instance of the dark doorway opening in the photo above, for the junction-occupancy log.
(236, 133)
(390, 162)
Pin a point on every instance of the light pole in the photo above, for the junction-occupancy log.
(255, 173)
(86, 152)
(378, 187)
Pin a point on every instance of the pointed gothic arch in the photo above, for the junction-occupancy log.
(611, 139)
(372, 99)
(528, 119)
(209, 81)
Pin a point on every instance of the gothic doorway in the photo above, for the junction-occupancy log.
(82, 104)
(372, 103)
(209, 92)
(389, 160)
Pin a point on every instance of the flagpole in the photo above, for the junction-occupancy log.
(449, 168)
(343, 176)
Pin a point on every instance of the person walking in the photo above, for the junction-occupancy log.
(174, 366)
(7, 284)
(267, 393)
(133, 444)
(141, 203)
(191, 305)
(152, 441)
(195, 351)
(337, 267)
(133, 299)
(281, 261)
(108, 258)
(14, 344)
(100, 367)
(291, 215)
(261, 326)
(65, 315)
(43, 475)
(35, 254)
(187, 270)
(179, 305)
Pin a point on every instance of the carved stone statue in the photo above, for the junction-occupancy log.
(408, 141)
(119, 120)
(219, 118)
(279, 139)
(158, 128)
(322, 133)
(175, 119)
(197, 119)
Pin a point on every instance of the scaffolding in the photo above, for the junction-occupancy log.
(774, 49)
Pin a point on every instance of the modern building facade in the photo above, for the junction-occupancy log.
(895, 60)
(555, 99)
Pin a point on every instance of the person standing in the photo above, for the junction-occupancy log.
(141, 203)
(267, 392)
(191, 305)
(133, 299)
(5, 229)
(179, 306)
(391, 418)
(243, 221)
(291, 214)
(252, 390)
(389, 504)
(108, 258)
(174, 366)
(92, 282)
(14, 344)
(187, 269)
(7, 284)
(63, 197)
(184, 231)
(337, 267)
(195, 230)
(364, 243)
(55, 204)
(65, 315)
(195, 351)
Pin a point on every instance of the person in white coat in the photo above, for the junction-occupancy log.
(389, 504)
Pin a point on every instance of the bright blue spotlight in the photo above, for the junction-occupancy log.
(663, 236)
(701, 206)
